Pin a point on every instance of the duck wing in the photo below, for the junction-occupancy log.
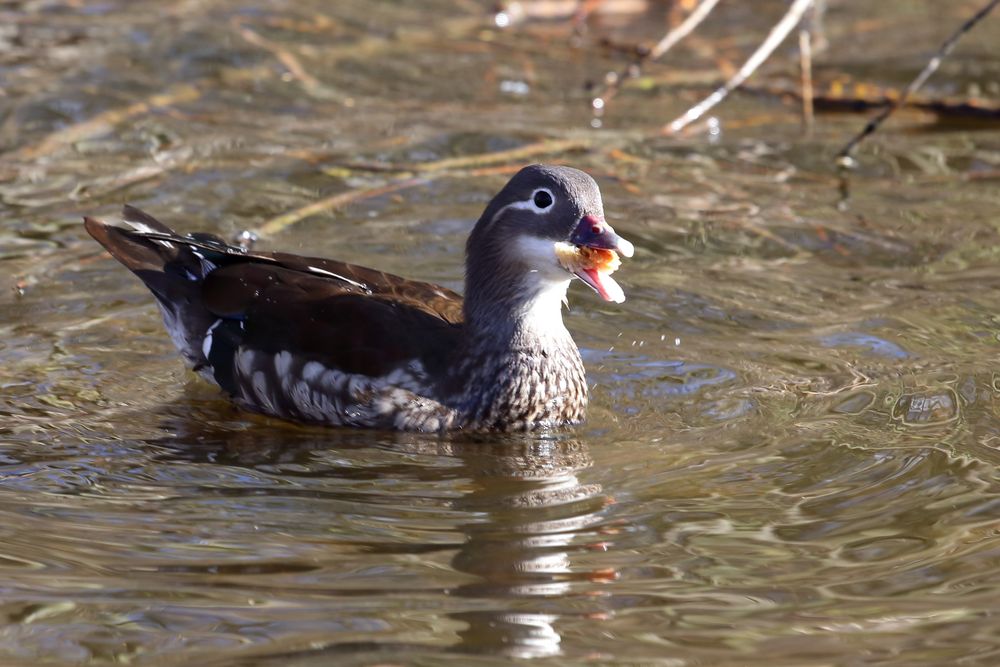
(291, 336)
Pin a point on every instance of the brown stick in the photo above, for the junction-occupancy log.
(520, 154)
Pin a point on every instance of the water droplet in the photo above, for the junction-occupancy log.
(519, 88)
(847, 162)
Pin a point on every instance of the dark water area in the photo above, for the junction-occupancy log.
(793, 443)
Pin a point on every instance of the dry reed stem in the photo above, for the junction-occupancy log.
(805, 60)
(544, 147)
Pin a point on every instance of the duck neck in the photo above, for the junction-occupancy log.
(519, 367)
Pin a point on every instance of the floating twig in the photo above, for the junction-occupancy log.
(844, 158)
(545, 147)
(777, 35)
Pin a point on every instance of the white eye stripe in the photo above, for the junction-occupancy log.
(527, 204)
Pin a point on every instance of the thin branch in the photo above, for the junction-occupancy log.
(694, 19)
(668, 42)
(844, 156)
(777, 35)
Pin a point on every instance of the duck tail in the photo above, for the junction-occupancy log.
(173, 267)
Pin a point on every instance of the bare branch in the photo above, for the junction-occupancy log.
(844, 156)
(777, 35)
(668, 42)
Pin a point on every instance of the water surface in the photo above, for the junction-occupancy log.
(793, 445)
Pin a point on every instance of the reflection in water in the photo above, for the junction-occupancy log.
(534, 514)
(522, 517)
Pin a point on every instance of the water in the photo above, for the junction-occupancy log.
(792, 452)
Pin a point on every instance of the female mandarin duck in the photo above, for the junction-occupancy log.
(317, 340)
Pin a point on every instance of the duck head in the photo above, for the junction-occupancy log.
(545, 227)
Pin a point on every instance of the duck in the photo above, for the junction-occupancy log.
(321, 341)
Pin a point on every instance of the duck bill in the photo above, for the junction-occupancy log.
(593, 232)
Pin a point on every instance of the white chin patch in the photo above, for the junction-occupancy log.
(549, 258)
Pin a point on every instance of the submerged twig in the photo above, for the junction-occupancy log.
(313, 85)
(338, 200)
(519, 154)
(668, 42)
(106, 121)
(844, 156)
(547, 146)
(777, 35)
(471, 165)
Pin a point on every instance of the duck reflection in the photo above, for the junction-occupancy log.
(526, 515)
(533, 514)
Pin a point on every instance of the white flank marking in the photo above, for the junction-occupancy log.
(312, 371)
(283, 364)
(206, 345)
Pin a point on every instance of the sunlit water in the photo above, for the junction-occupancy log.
(792, 452)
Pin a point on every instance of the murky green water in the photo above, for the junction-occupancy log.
(793, 447)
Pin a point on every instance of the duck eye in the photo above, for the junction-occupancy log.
(542, 199)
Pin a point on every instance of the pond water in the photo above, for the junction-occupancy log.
(792, 450)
